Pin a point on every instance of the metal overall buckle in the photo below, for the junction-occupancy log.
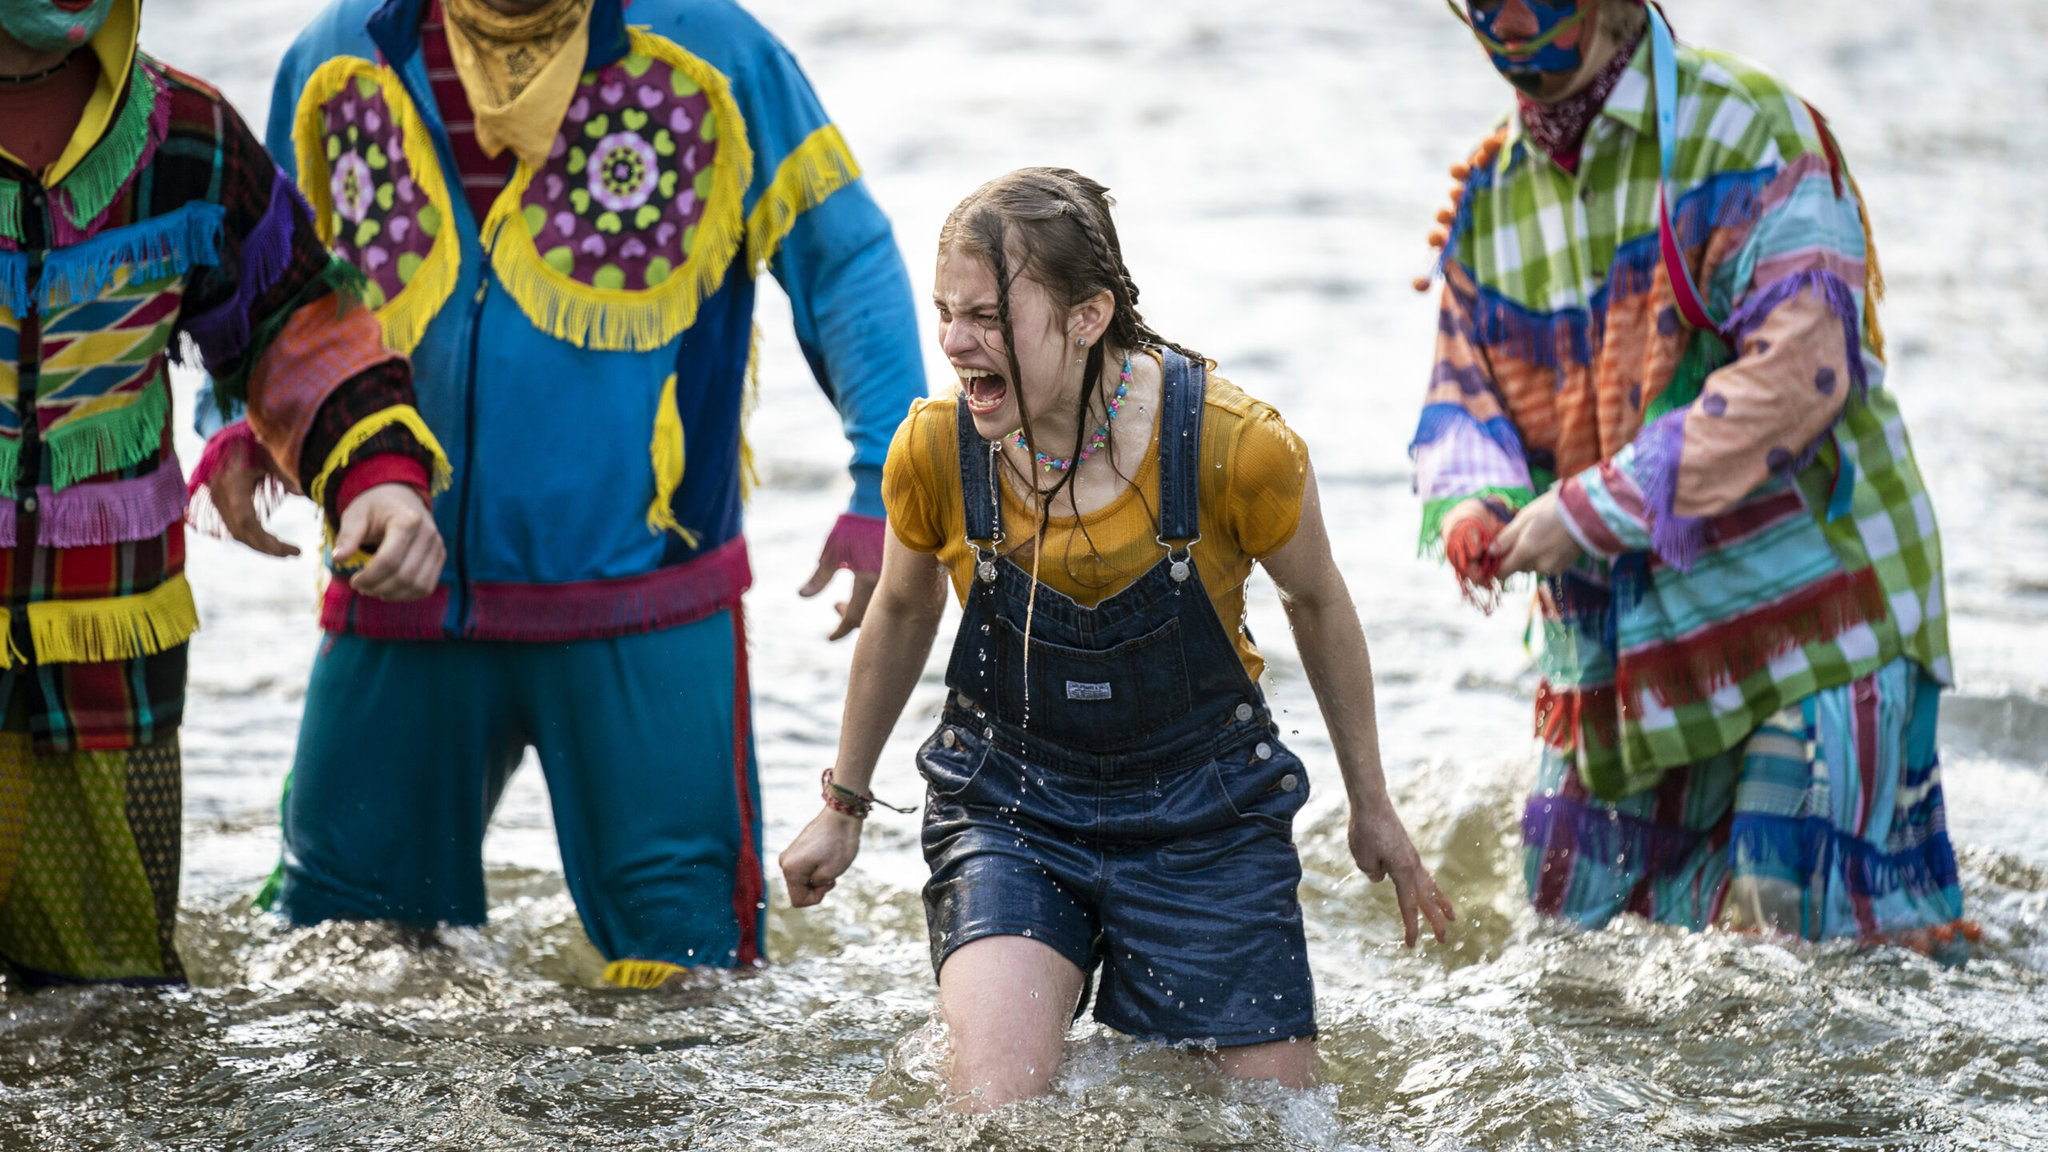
(1183, 565)
(985, 558)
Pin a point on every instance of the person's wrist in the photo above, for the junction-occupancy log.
(842, 800)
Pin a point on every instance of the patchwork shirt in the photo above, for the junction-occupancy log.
(1754, 524)
(166, 220)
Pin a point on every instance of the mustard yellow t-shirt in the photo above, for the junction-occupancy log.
(1252, 473)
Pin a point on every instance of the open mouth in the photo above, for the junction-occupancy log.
(985, 391)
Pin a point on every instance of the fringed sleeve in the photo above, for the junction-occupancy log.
(280, 325)
(1798, 333)
(1466, 445)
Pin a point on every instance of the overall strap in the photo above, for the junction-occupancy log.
(979, 500)
(1180, 447)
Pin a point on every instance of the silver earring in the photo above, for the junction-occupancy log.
(1080, 341)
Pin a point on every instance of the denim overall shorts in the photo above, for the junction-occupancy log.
(1126, 801)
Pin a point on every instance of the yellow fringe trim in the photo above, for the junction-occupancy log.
(817, 168)
(667, 452)
(10, 655)
(750, 477)
(115, 628)
(405, 316)
(359, 434)
(640, 973)
(636, 320)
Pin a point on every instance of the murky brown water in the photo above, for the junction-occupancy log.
(1278, 165)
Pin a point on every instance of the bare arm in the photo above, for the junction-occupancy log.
(902, 619)
(1333, 653)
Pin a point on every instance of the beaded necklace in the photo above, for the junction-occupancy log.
(1101, 437)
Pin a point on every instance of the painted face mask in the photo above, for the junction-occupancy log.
(1536, 54)
(53, 25)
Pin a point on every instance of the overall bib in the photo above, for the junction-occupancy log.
(1113, 785)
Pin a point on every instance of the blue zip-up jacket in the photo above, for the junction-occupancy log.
(583, 353)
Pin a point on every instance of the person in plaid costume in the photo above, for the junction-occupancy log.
(1740, 593)
(137, 209)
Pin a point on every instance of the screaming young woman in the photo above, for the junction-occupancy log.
(1106, 787)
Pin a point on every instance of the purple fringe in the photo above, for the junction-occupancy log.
(62, 231)
(1676, 539)
(1606, 835)
(1810, 845)
(108, 512)
(1840, 299)
(222, 332)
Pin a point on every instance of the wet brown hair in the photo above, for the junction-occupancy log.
(1053, 226)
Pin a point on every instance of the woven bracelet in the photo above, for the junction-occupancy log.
(840, 798)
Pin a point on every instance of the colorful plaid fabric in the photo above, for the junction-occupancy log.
(204, 237)
(1827, 821)
(95, 704)
(1694, 617)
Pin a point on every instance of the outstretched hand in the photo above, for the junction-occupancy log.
(233, 489)
(1381, 848)
(819, 856)
(851, 609)
(396, 522)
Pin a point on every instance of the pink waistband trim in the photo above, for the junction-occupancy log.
(103, 512)
(540, 613)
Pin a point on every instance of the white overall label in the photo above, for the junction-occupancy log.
(1077, 690)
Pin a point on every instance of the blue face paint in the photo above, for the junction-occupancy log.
(1551, 20)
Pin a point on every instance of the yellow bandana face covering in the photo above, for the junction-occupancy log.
(519, 72)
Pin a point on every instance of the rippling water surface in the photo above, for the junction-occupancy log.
(1277, 165)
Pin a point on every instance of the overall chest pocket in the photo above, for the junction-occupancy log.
(1090, 700)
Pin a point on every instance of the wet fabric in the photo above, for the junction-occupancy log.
(648, 753)
(89, 862)
(1755, 525)
(1113, 784)
(1249, 510)
(1827, 822)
